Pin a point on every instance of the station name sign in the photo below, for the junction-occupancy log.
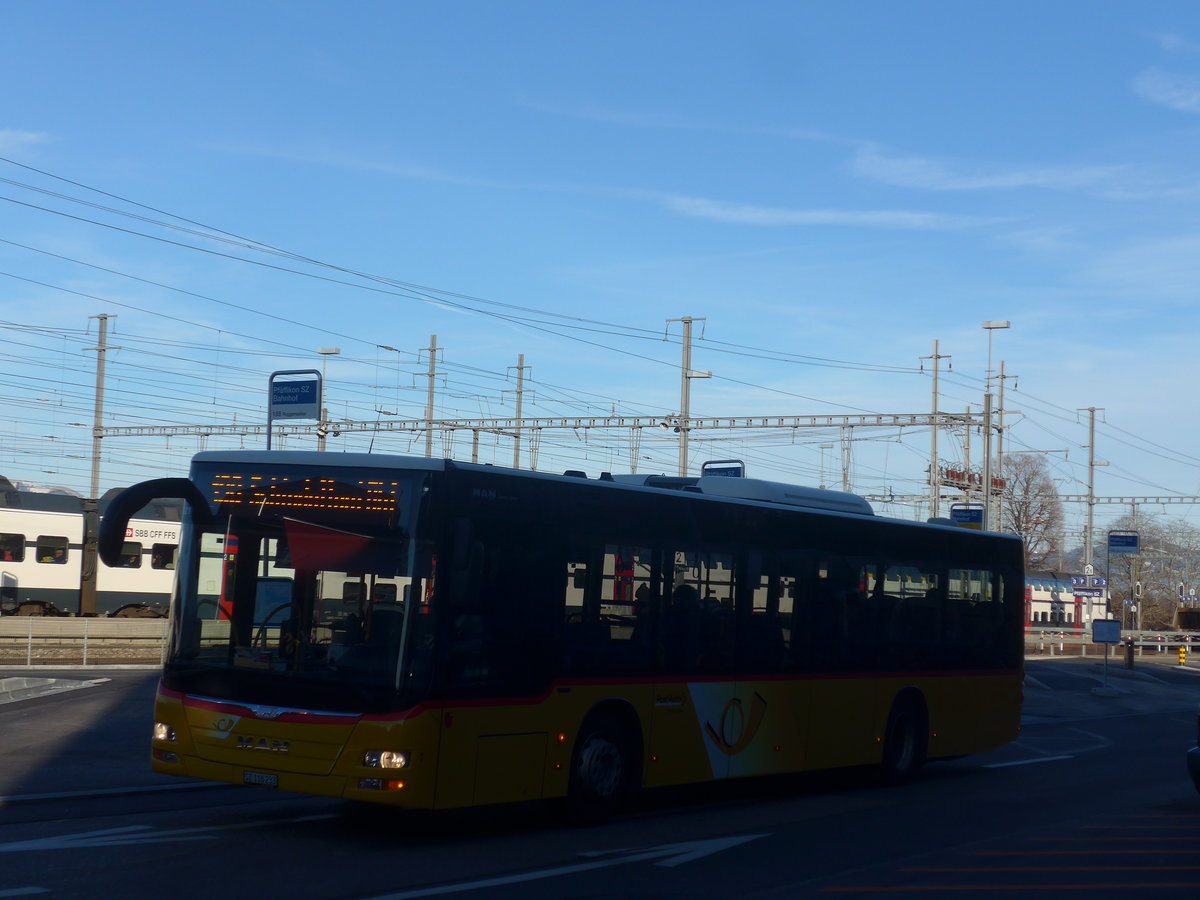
(296, 399)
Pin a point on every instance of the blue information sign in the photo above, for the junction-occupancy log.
(967, 516)
(296, 399)
(1124, 542)
(729, 468)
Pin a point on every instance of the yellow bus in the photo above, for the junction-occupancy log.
(431, 634)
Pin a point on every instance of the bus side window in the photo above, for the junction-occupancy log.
(582, 628)
(698, 628)
(12, 547)
(762, 636)
(974, 615)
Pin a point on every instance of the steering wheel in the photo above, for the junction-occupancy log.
(261, 636)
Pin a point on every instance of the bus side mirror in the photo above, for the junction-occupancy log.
(123, 507)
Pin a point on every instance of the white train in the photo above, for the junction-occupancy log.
(44, 569)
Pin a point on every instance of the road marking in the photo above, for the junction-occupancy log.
(23, 891)
(109, 792)
(142, 834)
(675, 854)
(1026, 762)
(1099, 742)
(109, 837)
(1102, 743)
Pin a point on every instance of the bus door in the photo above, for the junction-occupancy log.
(761, 728)
(696, 717)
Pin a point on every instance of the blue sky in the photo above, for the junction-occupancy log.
(830, 187)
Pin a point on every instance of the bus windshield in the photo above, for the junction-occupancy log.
(294, 584)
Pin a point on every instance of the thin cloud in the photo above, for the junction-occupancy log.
(771, 216)
(1056, 239)
(1154, 271)
(12, 141)
(667, 122)
(1175, 43)
(1174, 91)
(593, 113)
(935, 175)
(339, 159)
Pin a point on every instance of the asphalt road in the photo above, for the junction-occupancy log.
(1093, 799)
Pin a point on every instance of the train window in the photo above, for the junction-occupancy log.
(12, 547)
(162, 556)
(131, 555)
(51, 549)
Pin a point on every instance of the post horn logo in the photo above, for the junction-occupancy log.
(737, 729)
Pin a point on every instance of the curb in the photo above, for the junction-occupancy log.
(14, 689)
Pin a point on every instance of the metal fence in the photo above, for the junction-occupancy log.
(1060, 643)
(32, 641)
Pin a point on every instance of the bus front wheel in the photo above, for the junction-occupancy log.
(601, 769)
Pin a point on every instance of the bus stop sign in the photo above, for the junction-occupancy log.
(296, 399)
(1123, 542)
(967, 516)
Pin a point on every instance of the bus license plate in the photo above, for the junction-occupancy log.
(262, 779)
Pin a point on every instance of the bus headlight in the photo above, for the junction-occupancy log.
(386, 759)
(163, 732)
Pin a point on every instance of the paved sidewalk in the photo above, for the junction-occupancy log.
(25, 688)
(1059, 688)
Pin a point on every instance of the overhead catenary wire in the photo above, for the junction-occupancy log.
(544, 321)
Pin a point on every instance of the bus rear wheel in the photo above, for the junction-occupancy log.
(601, 771)
(904, 746)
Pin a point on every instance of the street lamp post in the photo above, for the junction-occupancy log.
(823, 448)
(989, 326)
(323, 425)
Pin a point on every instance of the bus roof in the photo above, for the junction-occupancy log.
(710, 485)
(751, 490)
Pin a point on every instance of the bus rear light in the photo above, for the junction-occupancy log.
(561, 737)
(386, 759)
(379, 784)
(163, 732)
